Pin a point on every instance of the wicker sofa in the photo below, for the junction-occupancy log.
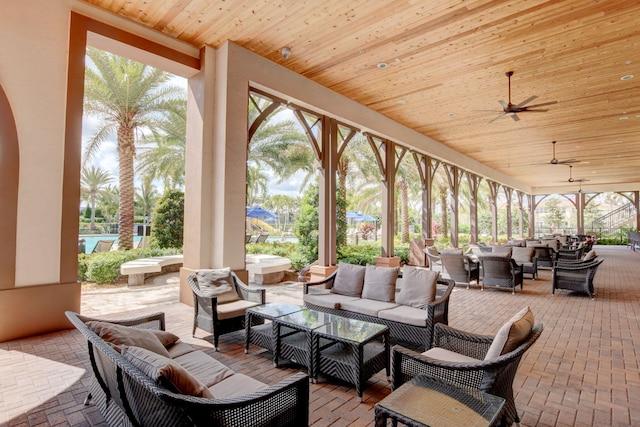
(370, 294)
(134, 384)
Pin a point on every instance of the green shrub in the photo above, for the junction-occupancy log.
(168, 220)
(283, 249)
(104, 267)
(362, 254)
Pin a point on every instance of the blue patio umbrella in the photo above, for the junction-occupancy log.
(258, 212)
(359, 217)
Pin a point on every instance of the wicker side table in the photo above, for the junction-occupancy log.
(427, 401)
(262, 335)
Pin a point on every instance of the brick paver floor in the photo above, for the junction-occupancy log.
(582, 371)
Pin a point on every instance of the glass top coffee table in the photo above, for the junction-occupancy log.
(354, 352)
(428, 401)
(259, 333)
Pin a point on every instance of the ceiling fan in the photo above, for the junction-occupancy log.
(555, 161)
(511, 110)
(572, 179)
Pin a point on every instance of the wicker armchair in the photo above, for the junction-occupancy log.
(576, 253)
(502, 272)
(435, 263)
(575, 276)
(545, 255)
(460, 268)
(222, 318)
(494, 376)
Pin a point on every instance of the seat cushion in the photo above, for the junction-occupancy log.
(448, 355)
(234, 309)
(590, 255)
(165, 371)
(327, 300)
(349, 280)
(405, 314)
(418, 287)
(119, 335)
(218, 283)
(178, 349)
(204, 368)
(236, 385)
(369, 307)
(511, 334)
(380, 283)
(522, 255)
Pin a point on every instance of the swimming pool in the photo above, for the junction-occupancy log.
(91, 240)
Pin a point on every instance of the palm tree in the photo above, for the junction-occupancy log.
(129, 98)
(162, 154)
(256, 184)
(146, 196)
(93, 181)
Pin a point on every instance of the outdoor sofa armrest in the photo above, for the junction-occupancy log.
(151, 321)
(327, 282)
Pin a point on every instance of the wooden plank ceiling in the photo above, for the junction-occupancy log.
(445, 75)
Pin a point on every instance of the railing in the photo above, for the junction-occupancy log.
(614, 219)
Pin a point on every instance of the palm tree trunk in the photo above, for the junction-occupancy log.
(341, 214)
(126, 154)
(404, 209)
(92, 223)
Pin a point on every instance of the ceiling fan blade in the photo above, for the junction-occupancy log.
(567, 162)
(526, 109)
(543, 104)
(526, 101)
(496, 118)
(504, 104)
(515, 117)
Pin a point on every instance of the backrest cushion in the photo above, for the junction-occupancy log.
(511, 334)
(521, 255)
(418, 287)
(119, 335)
(552, 243)
(218, 283)
(165, 372)
(380, 283)
(501, 251)
(349, 280)
(532, 243)
(590, 255)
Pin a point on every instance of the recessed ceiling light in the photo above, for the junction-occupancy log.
(452, 114)
(627, 77)
(401, 101)
(382, 65)
(361, 51)
(624, 118)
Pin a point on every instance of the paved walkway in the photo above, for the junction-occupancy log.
(583, 371)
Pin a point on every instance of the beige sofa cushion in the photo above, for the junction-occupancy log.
(523, 255)
(218, 283)
(119, 335)
(418, 287)
(165, 372)
(405, 314)
(204, 368)
(327, 300)
(234, 309)
(511, 334)
(369, 307)
(533, 243)
(349, 280)
(448, 355)
(178, 349)
(236, 385)
(501, 251)
(380, 283)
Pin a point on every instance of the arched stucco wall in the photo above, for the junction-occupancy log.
(9, 172)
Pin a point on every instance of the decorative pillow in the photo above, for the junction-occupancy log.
(590, 255)
(511, 334)
(418, 287)
(522, 255)
(380, 283)
(349, 280)
(165, 372)
(119, 335)
(218, 283)
(501, 251)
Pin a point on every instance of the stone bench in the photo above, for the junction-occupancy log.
(267, 269)
(138, 269)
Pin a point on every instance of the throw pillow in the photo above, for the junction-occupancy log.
(590, 255)
(418, 287)
(380, 283)
(165, 372)
(218, 283)
(349, 280)
(119, 335)
(511, 334)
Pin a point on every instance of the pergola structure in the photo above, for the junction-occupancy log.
(41, 97)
